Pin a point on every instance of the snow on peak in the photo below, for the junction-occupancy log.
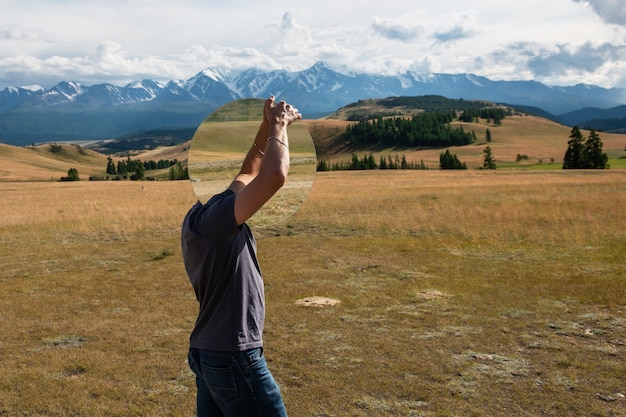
(215, 74)
(474, 79)
(319, 65)
(34, 88)
(146, 84)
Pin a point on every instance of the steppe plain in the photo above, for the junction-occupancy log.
(464, 293)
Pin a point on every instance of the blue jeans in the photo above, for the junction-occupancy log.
(235, 384)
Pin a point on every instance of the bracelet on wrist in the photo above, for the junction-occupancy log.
(258, 149)
(279, 141)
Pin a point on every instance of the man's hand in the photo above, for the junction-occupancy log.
(282, 113)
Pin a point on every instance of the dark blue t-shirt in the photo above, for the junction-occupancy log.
(220, 259)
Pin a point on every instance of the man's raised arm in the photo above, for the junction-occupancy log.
(266, 165)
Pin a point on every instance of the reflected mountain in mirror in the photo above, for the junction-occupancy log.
(220, 144)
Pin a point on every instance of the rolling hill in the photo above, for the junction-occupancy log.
(50, 162)
(543, 141)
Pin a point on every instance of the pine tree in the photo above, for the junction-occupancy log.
(489, 162)
(444, 160)
(370, 162)
(448, 160)
(72, 175)
(139, 174)
(179, 172)
(488, 135)
(355, 164)
(323, 165)
(111, 166)
(594, 158)
(122, 169)
(574, 156)
(404, 164)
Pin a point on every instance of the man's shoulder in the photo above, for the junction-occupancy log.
(214, 203)
(220, 196)
(215, 215)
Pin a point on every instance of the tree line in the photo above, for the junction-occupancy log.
(137, 170)
(447, 160)
(431, 103)
(497, 114)
(367, 162)
(135, 166)
(423, 129)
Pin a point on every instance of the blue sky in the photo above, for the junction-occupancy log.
(558, 42)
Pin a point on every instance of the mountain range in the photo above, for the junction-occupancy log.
(72, 111)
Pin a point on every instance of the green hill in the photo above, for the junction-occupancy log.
(543, 141)
(404, 106)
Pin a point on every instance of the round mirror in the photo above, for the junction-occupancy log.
(220, 144)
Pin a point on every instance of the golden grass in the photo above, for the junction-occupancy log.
(37, 163)
(178, 152)
(468, 293)
(543, 141)
(72, 279)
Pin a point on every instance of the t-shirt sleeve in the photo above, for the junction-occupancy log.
(216, 219)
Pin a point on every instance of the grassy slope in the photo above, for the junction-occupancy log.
(178, 152)
(39, 163)
(33, 163)
(539, 138)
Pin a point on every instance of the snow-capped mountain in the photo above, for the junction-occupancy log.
(148, 104)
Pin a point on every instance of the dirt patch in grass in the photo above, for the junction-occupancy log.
(432, 295)
(317, 302)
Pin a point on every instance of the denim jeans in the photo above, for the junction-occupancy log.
(235, 384)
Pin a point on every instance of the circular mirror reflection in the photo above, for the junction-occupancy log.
(220, 144)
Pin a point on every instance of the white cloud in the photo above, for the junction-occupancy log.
(394, 30)
(47, 41)
(566, 64)
(585, 58)
(454, 34)
(23, 34)
(611, 11)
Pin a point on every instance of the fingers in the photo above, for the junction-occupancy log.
(292, 110)
(288, 111)
(267, 109)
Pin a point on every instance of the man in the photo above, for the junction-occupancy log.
(219, 251)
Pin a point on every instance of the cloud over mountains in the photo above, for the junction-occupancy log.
(557, 43)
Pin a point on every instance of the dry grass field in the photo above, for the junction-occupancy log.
(467, 293)
(462, 294)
